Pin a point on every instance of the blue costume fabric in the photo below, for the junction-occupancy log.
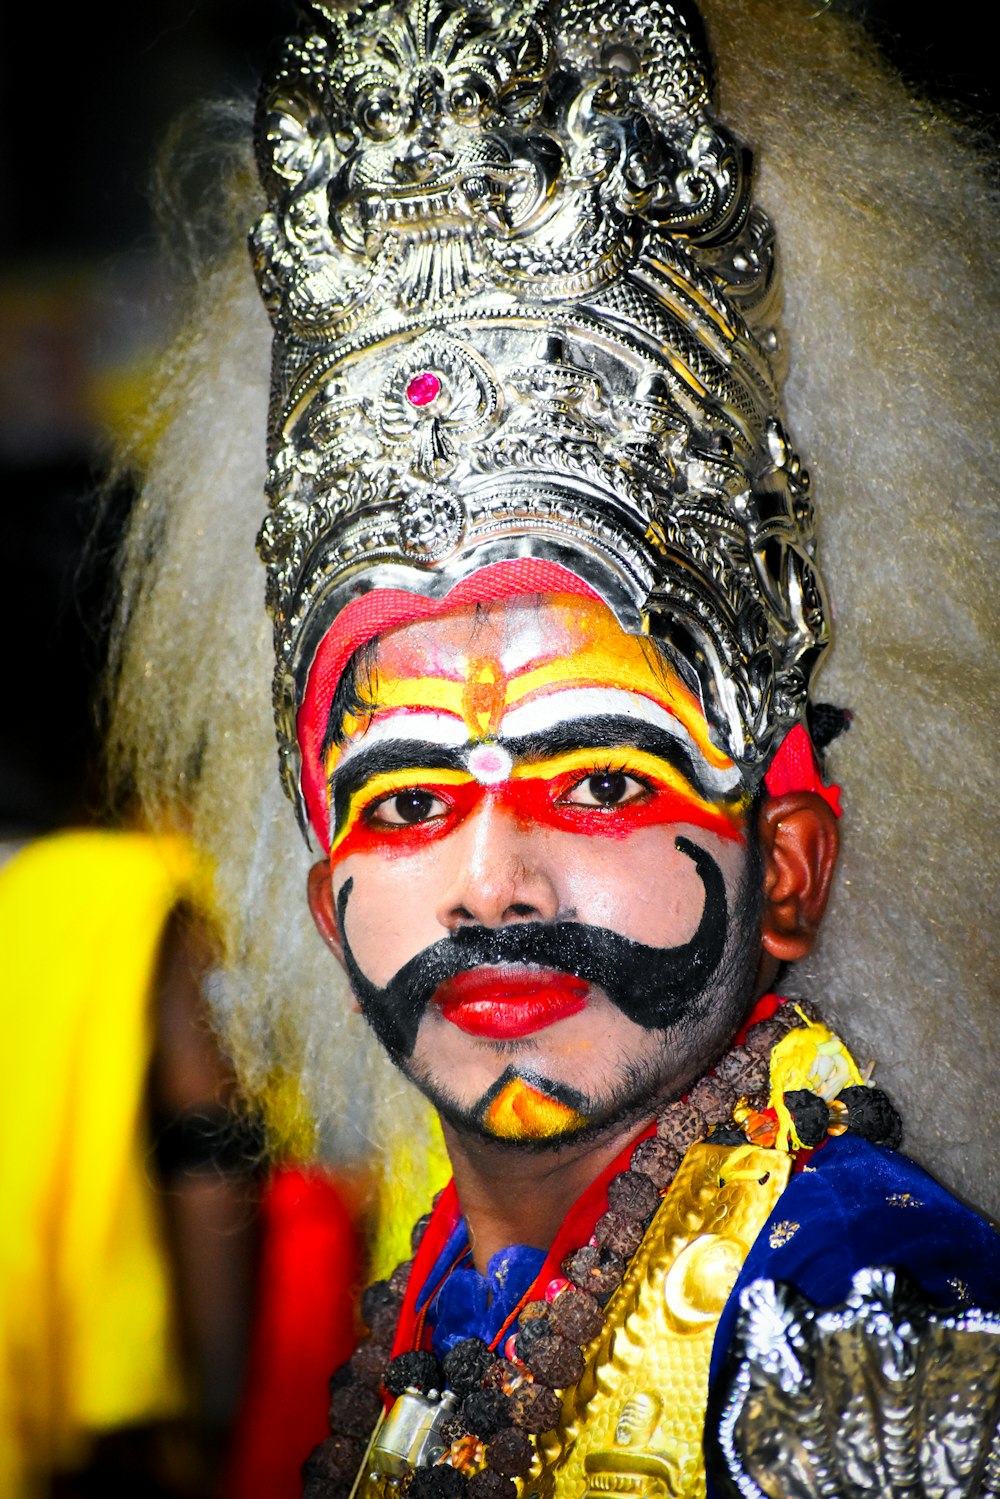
(854, 1205)
(857, 1205)
(470, 1305)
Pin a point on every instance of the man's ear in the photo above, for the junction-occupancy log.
(799, 844)
(319, 889)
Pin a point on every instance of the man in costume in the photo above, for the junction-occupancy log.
(546, 609)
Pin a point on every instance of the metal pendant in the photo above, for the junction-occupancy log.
(410, 1436)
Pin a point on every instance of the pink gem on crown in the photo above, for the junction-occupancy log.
(423, 389)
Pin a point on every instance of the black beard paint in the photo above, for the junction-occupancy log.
(653, 986)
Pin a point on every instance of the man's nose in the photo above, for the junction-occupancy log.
(500, 872)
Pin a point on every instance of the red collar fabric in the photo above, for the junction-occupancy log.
(575, 1230)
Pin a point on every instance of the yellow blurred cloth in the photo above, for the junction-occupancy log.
(86, 1324)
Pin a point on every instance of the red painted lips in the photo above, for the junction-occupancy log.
(502, 1004)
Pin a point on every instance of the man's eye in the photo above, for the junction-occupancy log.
(407, 808)
(605, 788)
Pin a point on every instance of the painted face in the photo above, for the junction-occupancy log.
(546, 902)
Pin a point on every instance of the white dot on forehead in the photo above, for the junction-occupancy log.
(489, 764)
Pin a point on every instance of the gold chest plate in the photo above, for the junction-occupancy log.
(633, 1425)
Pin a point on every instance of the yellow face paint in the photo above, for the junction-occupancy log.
(521, 1112)
(480, 689)
(486, 707)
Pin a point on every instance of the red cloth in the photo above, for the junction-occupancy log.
(575, 1231)
(304, 1328)
(795, 768)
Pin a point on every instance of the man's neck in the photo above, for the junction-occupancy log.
(511, 1196)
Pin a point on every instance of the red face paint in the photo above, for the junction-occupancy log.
(538, 801)
(503, 1004)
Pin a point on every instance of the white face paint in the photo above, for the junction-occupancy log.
(537, 769)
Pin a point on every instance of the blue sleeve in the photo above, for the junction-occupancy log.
(857, 1205)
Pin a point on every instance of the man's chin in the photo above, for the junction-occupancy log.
(522, 1111)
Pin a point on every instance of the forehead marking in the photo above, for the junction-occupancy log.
(490, 764)
(484, 696)
(537, 717)
(533, 694)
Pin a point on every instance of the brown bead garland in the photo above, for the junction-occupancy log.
(682, 1125)
(576, 1315)
(615, 1231)
(555, 1361)
(713, 1097)
(550, 1336)
(502, 1374)
(632, 1195)
(489, 1484)
(354, 1410)
(535, 1408)
(368, 1363)
(400, 1279)
(658, 1159)
(510, 1453)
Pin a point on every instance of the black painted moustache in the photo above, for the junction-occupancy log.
(654, 986)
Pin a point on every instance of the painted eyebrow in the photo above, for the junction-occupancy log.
(613, 731)
(382, 759)
(610, 732)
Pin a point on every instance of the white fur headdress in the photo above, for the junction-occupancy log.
(888, 232)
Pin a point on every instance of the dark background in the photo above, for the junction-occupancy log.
(85, 99)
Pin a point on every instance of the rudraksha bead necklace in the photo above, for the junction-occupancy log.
(504, 1400)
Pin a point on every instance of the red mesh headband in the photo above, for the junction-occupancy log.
(793, 768)
(382, 610)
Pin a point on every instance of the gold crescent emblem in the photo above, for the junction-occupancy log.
(699, 1281)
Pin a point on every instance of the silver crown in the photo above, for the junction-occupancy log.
(524, 306)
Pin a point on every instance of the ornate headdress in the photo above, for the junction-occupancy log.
(525, 310)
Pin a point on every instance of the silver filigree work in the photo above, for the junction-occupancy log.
(885, 1396)
(523, 305)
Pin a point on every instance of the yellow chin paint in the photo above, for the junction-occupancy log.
(520, 1112)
